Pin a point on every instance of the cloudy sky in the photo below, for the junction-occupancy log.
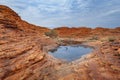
(56, 13)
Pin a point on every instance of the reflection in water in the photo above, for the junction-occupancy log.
(70, 53)
(53, 50)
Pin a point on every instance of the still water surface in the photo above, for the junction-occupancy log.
(70, 53)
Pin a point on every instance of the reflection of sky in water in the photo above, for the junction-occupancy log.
(70, 53)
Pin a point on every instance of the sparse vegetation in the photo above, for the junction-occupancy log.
(111, 39)
(51, 34)
(94, 38)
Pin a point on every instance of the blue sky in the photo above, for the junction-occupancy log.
(72, 13)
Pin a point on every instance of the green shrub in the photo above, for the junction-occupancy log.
(111, 39)
(94, 38)
(51, 34)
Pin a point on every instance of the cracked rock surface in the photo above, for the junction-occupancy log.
(23, 54)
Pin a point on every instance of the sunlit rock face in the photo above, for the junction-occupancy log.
(23, 54)
(21, 47)
(85, 32)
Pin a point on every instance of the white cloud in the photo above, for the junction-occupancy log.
(53, 13)
(107, 13)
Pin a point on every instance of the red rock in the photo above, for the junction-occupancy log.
(23, 56)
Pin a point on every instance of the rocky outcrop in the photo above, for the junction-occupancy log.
(84, 32)
(21, 48)
(73, 32)
(23, 54)
(102, 64)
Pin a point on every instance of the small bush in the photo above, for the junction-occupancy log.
(111, 39)
(51, 34)
(94, 38)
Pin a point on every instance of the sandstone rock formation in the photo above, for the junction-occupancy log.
(83, 32)
(21, 48)
(23, 54)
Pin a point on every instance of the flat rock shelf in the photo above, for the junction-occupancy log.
(70, 53)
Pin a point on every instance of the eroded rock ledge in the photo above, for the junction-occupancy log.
(21, 49)
(22, 55)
